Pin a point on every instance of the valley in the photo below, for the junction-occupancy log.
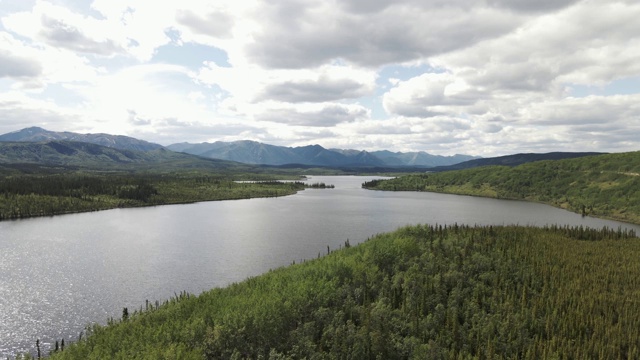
(366, 298)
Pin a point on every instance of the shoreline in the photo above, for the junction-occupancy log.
(462, 193)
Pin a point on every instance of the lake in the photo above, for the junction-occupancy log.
(58, 274)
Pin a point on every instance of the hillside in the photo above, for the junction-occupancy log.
(513, 160)
(91, 156)
(252, 152)
(604, 185)
(422, 292)
(419, 158)
(247, 152)
(36, 134)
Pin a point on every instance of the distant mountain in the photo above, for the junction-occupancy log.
(252, 152)
(76, 154)
(514, 160)
(36, 134)
(420, 158)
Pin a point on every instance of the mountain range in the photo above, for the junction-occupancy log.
(35, 145)
(75, 154)
(37, 134)
(249, 152)
(252, 152)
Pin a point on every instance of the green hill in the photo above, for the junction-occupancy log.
(74, 154)
(36, 134)
(422, 292)
(512, 160)
(604, 185)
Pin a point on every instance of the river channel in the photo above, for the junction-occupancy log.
(58, 274)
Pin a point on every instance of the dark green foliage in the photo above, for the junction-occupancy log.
(321, 185)
(141, 191)
(422, 292)
(513, 160)
(605, 185)
(24, 196)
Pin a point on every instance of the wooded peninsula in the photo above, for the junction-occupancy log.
(422, 292)
(23, 196)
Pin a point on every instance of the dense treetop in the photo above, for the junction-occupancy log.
(421, 292)
(604, 185)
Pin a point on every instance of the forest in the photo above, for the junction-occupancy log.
(606, 186)
(29, 195)
(421, 292)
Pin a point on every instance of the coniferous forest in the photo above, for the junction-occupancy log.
(422, 292)
(23, 196)
(604, 185)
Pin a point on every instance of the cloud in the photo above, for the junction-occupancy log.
(58, 33)
(590, 110)
(17, 66)
(253, 84)
(429, 95)
(16, 108)
(448, 76)
(32, 68)
(57, 26)
(171, 130)
(214, 24)
(515, 86)
(328, 83)
(299, 34)
(550, 50)
(532, 6)
(328, 115)
(314, 91)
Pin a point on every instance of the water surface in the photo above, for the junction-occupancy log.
(58, 274)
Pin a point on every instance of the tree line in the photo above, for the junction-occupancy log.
(29, 195)
(604, 186)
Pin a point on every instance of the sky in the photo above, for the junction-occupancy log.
(478, 77)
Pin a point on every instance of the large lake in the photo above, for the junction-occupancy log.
(58, 274)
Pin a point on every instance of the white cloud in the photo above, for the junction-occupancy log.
(16, 66)
(429, 95)
(216, 24)
(299, 34)
(18, 108)
(498, 73)
(59, 27)
(314, 115)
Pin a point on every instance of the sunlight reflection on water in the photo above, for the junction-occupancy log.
(59, 274)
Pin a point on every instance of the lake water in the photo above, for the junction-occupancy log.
(58, 274)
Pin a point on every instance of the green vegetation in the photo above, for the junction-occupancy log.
(24, 196)
(605, 186)
(422, 292)
(321, 185)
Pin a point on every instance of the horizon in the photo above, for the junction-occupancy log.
(464, 77)
(340, 149)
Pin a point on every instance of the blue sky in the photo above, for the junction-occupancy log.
(486, 78)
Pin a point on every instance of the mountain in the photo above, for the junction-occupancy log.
(420, 158)
(514, 160)
(64, 153)
(252, 152)
(248, 152)
(36, 134)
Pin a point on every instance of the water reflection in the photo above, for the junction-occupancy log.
(60, 273)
